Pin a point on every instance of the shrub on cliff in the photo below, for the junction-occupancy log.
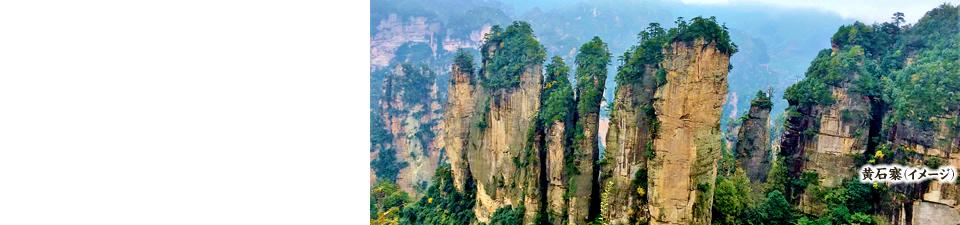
(514, 50)
(442, 203)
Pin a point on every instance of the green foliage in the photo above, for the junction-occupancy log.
(514, 50)
(639, 183)
(557, 93)
(834, 70)
(776, 210)
(929, 87)
(386, 164)
(591, 73)
(918, 94)
(932, 162)
(806, 221)
(808, 92)
(650, 152)
(861, 219)
(731, 197)
(463, 60)
(508, 216)
(839, 67)
(937, 26)
(778, 179)
(648, 53)
(856, 34)
(852, 202)
(379, 136)
(413, 52)
(654, 38)
(416, 83)
(386, 195)
(482, 123)
(442, 203)
(705, 28)
(703, 187)
(761, 100)
(807, 178)
(661, 77)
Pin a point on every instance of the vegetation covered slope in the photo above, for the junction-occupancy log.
(884, 93)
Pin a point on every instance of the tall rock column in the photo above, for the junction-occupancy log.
(591, 73)
(628, 143)
(687, 142)
(458, 115)
(753, 142)
(501, 146)
(556, 117)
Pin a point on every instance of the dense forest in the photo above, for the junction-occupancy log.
(792, 136)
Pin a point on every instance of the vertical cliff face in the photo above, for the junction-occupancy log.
(629, 143)
(488, 138)
(411, 113)
(591, 73)
(557, 118)
(838, 136)
(687, 143)
(821, 138)
(491, 137)
(753, 144)
(531, 142)
(557, 185)
(506, 173)
(932, 143)
(459, 117)
(828, 125)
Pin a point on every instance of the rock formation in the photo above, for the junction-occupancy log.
(459, 117)
(520, 155)
(410, 112)
(629, 143)
(855, 123)
(687, 142)
(557, 119)
(591, 74)
(753, 142)
(493, 140)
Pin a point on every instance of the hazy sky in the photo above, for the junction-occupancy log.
(867, 11)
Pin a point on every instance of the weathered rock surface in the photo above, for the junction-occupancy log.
(499, 159)
(627, 149)
(753, 144)
(822, 138)
(585, 155)
(687, 142)
(935, 203)
(934, 214)
(406, 121)
(459, 120)
(498, 154)
(556, 149)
